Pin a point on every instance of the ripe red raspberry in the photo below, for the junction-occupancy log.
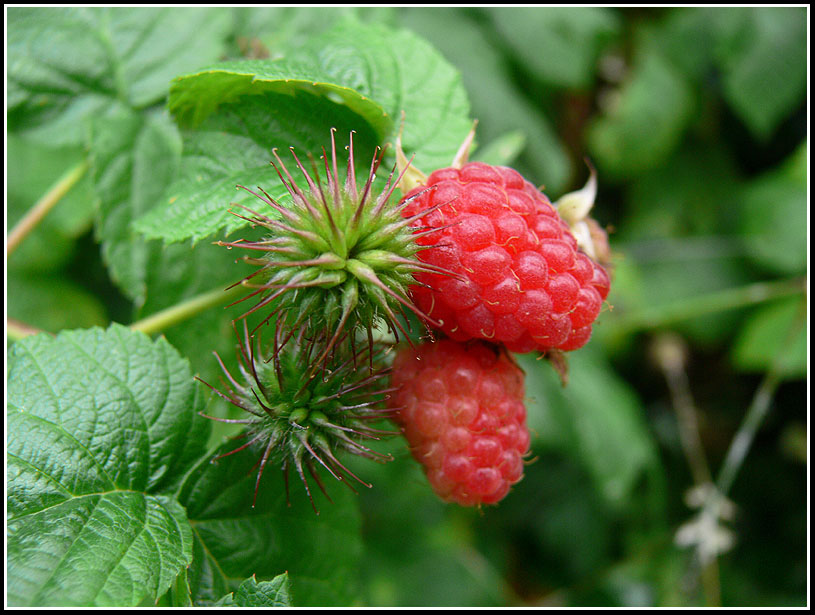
(461, 409)
(519, 277)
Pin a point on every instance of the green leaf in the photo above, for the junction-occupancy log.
(773, 216)
(355, 77)
(769, 335)
(764, 65)
(101, 424)
(497, 101)
(560, 45)
(133, 158)
(235, 540)
(644, 121)
(375, 71)
(195, 97)
(678, 199)
(597, 419)
(263, 594)
(234, 147)
(101, 549)
(66, 66)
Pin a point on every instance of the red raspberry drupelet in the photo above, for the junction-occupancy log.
(461, 408)
(520, 278)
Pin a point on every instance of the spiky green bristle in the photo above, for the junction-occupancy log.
(338, 258)
(303, 413)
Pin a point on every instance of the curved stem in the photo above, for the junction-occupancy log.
(35, 215)
(756, 412)
(716, 501)
(180, 312)
(732, 298)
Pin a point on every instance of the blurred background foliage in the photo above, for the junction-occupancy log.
(696, 120)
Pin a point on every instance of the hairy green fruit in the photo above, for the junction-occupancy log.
(303, 413)
(338, 258)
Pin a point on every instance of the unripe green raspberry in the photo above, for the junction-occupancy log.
(339, 258)
(304, 414)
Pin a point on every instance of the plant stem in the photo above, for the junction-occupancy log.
(756, 412)
(732, 298)
(16, 330)
(180, 312)
(35, 215)
(715, 502)
(671, 354)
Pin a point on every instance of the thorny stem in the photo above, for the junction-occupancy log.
(35, 215)
(187, 309)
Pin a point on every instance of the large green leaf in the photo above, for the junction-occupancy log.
(644, 122)
(235, 540)
(558, 44)
(133, 158)
(498, 102)
(234, 147)
(763, 58)
(101, 423)
(377, 72)
(773, 216)
(354, 77)
(195, 97)
(774, 333)
(101, 549)
(272, 593)
(68, 65)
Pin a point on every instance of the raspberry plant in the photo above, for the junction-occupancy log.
(172, 179)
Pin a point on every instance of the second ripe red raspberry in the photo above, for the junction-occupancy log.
(520, 278)
(461, 408)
